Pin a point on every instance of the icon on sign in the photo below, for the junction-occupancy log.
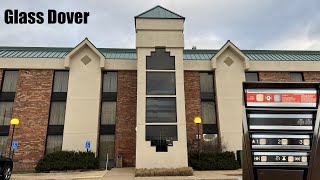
(88, 145)
(14, 145)
(277, 98)
(290, 159)
(306, 142)
(297, 159)
(259, 97)
(257, 158)
(268, 98)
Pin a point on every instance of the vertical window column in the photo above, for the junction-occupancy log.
(7, 96)
(208, 106)
(57, 112)
(108, 119)
(161, 111)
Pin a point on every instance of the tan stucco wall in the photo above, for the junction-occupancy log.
(83, 102)
(153, 33)
(228, 80)
(32, 63)
(159, 38)
(159, 24)
(196, 65)
(146, 155)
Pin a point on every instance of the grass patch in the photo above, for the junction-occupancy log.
(23, 171)
(187, 171)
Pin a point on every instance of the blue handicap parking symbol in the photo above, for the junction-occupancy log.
(88, 145)
(14, 144)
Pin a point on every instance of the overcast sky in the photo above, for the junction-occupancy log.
(249, 24)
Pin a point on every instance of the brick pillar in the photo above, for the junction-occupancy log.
(125, 133)
(193, 105)
(31, 107)
(274, 76)
(311, 76)
(1, 74)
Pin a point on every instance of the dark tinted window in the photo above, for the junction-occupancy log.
(160, 59)
(60, 82)
(208, 113)
(10, 80)
(296, 77)
(5, 113)
(168, 132)
(161, 83)
(54, 143)
(206, 82)
(110, 82)
(57, 113)
(161, 110)
(252, 76)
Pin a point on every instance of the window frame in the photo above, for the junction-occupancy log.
(300, 73)
(56, 130)
(253, 72)
(174, 92)
(176, 114)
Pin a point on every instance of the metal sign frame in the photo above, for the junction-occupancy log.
(302, 161)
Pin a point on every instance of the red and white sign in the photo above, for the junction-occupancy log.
(281, 98)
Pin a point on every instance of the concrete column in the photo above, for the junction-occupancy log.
(229, 76)
(161, 34)
(83, 101)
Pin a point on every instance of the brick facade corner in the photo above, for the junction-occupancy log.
(1, 75)
(192, 104)
(31, 107)
(274, 76)
(311, 76)
(125, 132)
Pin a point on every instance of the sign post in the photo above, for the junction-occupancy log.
(14, 146)
(88, 144)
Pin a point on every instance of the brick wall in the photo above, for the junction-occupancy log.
(31, 107)
(193, 104)
(1, 74)
(125, 133)
(311, 76)
(274, 76)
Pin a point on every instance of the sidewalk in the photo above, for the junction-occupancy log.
(60, 176)
(127, 174)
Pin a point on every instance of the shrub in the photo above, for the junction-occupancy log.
(214, 161)
(67, 160)
(187, 171)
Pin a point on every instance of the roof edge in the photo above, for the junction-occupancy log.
(137, 16)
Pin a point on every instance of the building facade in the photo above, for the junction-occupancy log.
(138, 104)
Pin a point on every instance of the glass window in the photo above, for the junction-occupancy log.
(60, 82)
(10, 81)
(296, 77)
(106, 147)
(54, 143)
(161, 110)
(160, 59)
(208, 113)
(168, 132)
(161, 83)
(5, 113)
(108, 113)
(206, 82)
(57, 113)
(110, 82)
(3, 144)
(252, 76)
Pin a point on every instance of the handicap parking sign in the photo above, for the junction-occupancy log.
(14, 145)
(88, 145)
